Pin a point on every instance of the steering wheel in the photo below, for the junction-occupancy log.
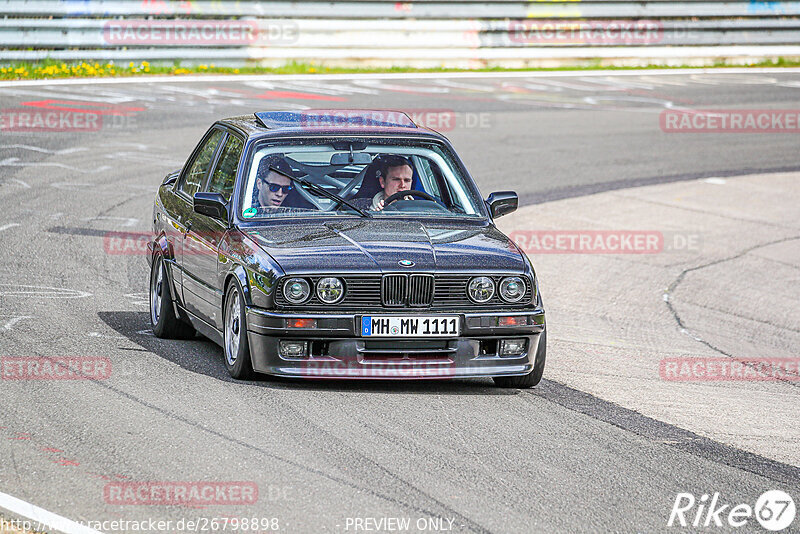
(411, 192)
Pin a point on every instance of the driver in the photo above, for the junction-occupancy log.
(396, 174)
(272, 188)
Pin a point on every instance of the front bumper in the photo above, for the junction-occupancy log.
(337, 350)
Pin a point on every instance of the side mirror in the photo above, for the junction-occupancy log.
(502, 203)
(211, 204)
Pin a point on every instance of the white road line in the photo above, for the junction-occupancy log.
(126, 221)
(47, 150)
(7, 226)
(138, 146)
(11, 322)
(43, 517)
(98, 334)
(20, 182)
(395, 76)
(17, 290)
(76, 96)
(15, 162)
(70, 186)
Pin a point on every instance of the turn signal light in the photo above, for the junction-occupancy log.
(301, 323)
(516, 320)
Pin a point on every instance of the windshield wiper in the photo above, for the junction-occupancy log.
(322, 191)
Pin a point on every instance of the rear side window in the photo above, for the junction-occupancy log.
(225, 172)
(198, 169)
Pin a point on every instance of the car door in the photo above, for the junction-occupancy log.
(201, 242)
(192, 178)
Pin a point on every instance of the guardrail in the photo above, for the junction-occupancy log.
(424, 33)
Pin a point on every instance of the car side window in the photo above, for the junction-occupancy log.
(224, 176)
(198, 169)
(428, 176)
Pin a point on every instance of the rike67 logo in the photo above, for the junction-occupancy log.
(774, 510)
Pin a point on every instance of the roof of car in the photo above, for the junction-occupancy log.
(329, 122)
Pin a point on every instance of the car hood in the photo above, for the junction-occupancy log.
(379, 245)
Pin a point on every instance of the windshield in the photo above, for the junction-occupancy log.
(381, 180)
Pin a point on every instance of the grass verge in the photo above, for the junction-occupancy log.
(50, 69)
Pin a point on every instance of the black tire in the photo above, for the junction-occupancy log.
(235, 346)
(532, 378)
(162, 314)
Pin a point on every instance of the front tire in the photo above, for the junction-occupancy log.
(235, 344)
(162, 313)
(532, 378)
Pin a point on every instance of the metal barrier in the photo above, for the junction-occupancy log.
(423, 33)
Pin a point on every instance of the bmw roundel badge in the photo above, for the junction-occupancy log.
(406, 263)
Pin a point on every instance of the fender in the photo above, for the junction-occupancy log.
(239, 272)
(161, 244)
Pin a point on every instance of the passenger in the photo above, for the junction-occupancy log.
(396, 174)
(272, 188)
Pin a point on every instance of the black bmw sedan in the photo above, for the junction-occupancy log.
(342, 244)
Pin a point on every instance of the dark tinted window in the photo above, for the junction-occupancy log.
(225, 172)
(193, 179)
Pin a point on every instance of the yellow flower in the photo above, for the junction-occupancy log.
(145, 64)
(236, 71)
(203, 67)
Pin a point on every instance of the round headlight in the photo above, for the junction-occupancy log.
(296, 290)
(330, 290)
(481, 289)
(512, 288)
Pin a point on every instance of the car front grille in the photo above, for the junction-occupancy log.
(420, 292)
(403, 290)
(393, 289)
(397, 291)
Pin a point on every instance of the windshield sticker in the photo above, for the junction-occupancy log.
(249, 212)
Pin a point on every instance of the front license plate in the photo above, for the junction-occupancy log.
(403, 326)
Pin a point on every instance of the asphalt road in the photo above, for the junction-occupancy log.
(325, 454)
